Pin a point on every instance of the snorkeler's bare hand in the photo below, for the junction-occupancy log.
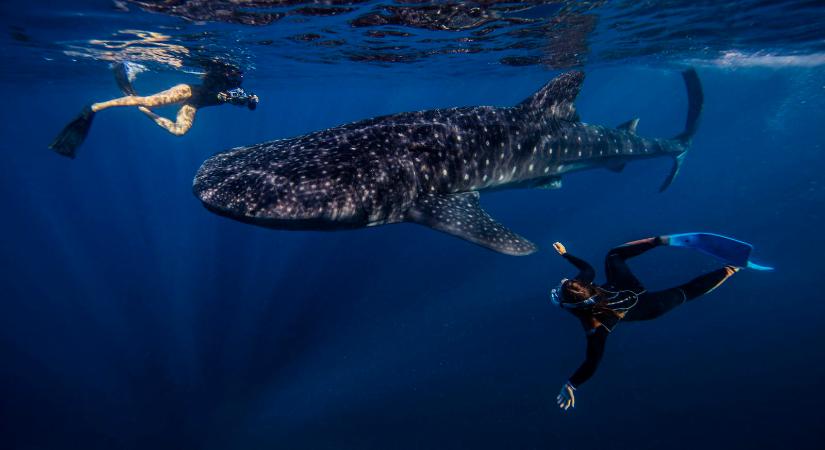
(559, 248)
(566, 398)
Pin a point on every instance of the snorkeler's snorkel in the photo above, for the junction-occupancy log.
(239, 97)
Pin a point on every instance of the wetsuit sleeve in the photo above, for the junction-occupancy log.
(595, 349)
(586, 272)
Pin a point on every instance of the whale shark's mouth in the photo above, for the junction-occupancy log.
(286, 223)
(240, 184)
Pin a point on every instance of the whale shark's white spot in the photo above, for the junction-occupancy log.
(530, 168)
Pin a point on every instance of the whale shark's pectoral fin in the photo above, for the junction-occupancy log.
(629, 126)
(462, 216)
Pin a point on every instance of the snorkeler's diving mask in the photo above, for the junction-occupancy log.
(555, 297)
(555, 293)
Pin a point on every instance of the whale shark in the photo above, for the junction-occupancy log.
(428, 167)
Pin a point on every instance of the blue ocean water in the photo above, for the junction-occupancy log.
(131, 317)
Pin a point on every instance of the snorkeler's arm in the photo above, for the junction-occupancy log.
(595, 349)
(186, 116)
(586, 272)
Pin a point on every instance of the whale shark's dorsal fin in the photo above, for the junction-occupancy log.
(629, 126)
(462, 216)
(557, 96)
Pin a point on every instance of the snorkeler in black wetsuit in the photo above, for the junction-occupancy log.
(221, 84)
(621, 298)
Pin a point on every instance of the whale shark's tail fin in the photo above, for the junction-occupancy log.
(556, 97)
(695, 101)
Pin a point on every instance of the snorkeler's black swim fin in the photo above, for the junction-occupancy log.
(74, 133)
(123, 78)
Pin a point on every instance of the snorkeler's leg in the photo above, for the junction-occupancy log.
(171, 96)
(185, 118)
(654, 304)
(703, 284)
(636, 248)
(616, 269)
(73, 134)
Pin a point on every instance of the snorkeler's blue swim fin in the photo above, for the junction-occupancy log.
(729, 250)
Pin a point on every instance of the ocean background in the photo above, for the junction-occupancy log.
(133, 318)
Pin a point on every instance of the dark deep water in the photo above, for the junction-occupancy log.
(132, 318)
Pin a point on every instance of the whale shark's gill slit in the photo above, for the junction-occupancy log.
(460, 215)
